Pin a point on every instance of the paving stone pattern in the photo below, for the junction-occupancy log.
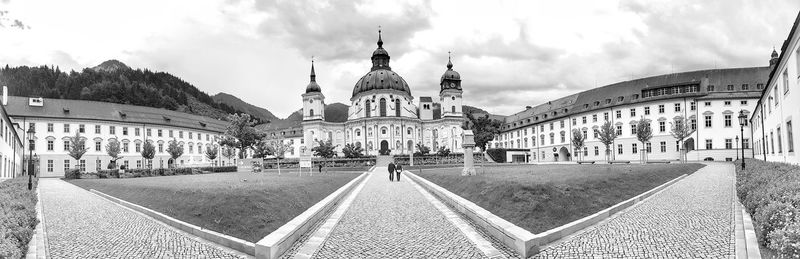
(693, 218)
(393, 220)
(80, 224)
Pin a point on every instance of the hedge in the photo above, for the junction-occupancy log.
(271, 163)
(144, 172)
(771, 193)
(433, 159)
(18, 214)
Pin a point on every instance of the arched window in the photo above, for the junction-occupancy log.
(383, 107)
(397, 107)
(367, 109)
(311, 112)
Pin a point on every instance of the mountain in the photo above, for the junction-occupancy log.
(111, 66)
(113, 81)
(478, 111)
(238, 104)
(334, 112)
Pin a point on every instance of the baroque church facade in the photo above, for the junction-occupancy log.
(383, 117)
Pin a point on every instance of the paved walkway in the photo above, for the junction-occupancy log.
(693, 218)
(394, 220)
(79, 224)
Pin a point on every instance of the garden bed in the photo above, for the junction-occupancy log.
(243, 205)
(541, 197)
(770, 192)
(17, 216)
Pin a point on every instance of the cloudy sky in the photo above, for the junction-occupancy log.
(510, 53)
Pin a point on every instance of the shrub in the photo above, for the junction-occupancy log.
(771, 193)
(18, 213)
(73, 174)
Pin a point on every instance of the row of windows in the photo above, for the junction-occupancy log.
(50, 164)
(98, 146)
(768, 146)
(112, 130)
(744, 87)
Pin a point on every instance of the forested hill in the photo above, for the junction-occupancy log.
(113, 81)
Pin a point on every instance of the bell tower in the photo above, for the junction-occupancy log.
(313, 99)
(450, 93)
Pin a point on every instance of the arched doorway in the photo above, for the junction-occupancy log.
(384, 146)
(563, 154)
(688, 144)
(170, 163)
(411, 146)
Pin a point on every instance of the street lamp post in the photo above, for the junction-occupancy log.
(31, 131)
(737, 147)
(742, 122)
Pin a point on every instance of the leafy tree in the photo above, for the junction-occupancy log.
(422, 150)
(607, 134)
(241, 133)
(77, 147)
(443, 151)
(175, 150)
(484, 129)
(261, 150)
(228, 152)
(325, 149)
(148, 151)
(113, 150)
(681, 130)
(211, 152)
(644, 133)
(352, 151)
(278, 148)
(578, 140)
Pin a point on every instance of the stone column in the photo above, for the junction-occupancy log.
(468, 144)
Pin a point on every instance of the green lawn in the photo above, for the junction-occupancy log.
(541, 197)
(244, 205)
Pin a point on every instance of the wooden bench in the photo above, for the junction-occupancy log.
(585, 162)
(619, 162)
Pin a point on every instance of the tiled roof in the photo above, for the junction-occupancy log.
(123, 113)
(574, 103)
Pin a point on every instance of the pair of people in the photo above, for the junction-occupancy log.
(395, 170)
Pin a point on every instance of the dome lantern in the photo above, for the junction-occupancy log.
(312, 86)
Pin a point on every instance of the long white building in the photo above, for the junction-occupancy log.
(12, 152)
(779, 105)
(56, 120)
(710, 99)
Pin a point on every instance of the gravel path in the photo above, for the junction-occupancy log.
(393, 220)
(80, 224)
(693, 218)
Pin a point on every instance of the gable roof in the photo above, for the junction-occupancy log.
(113, 112)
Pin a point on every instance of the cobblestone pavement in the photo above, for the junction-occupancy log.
(79, 224)
(393, 220)
(693, 218)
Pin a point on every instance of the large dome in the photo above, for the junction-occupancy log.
(381, 79)
(381, 75)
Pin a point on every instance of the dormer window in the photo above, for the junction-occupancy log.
(619, 99)
(597, 103)
(66, 110)
(166, 118)
(123, 115)
(608, 101)
(203, 124)
(586, 106)
(635, 96)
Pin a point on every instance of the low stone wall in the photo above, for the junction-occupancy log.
(279, 241)
(212, 236)
(522, 241)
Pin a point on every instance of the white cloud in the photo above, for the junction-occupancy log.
(510, 53)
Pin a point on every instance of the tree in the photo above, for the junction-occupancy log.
(483, 128)
(352, 151)
(261, 150)
(175, 150)
(77, 147)
(278, 148)
(211, 152)
(228, 152)
(607, 134)
(241, 133)
(578, 140)
(680, 130)
(443, 151)
(422, 150)
(644, 133)
(113, 150)
(148, 152)
(324, 149)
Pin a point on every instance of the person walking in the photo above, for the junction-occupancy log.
(398, 169)
(391, 172)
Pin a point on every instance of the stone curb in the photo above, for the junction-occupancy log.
(282, 239)
(522, 241)
(750, 240)
(209, 235)
(37, 247)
